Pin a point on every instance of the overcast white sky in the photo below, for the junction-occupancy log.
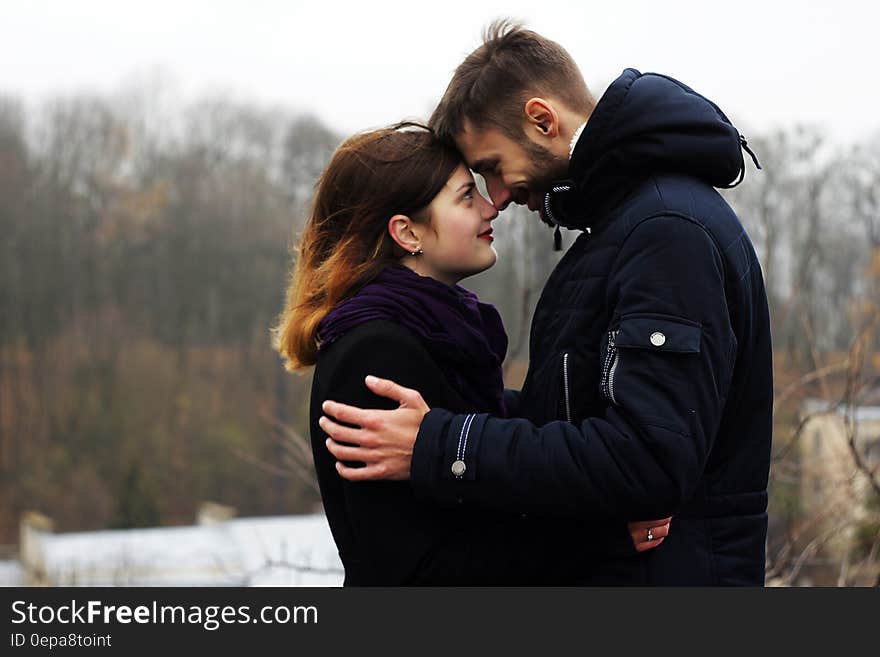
(767, 63)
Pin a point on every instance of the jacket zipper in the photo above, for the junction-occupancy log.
(566, 386)
(611, 376)
(611, 359)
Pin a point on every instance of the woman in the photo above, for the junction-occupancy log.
(397, 222)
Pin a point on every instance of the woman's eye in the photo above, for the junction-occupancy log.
(469, 194)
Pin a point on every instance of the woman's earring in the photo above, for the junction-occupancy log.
(417, 252)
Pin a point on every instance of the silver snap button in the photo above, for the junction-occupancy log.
(658, 339)
(458, 468)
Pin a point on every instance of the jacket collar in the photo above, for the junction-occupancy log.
(642, 125)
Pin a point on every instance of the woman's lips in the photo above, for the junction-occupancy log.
(487, 236)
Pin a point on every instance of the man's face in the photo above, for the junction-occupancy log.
(518, 172)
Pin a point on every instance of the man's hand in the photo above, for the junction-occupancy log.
(382, 439)
(648, 534)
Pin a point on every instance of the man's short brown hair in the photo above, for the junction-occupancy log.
(490, 87)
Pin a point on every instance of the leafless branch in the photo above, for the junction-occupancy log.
(296, 462)
(871, 559)
(811, 549)
(796, 433)
(806, 379)
(856, 363)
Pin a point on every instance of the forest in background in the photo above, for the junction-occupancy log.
(145, 250)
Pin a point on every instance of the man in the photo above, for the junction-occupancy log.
(649, 390)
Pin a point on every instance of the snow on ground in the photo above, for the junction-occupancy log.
(11, 573)
(268, 551)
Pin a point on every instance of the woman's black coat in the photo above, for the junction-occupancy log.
(386, 536)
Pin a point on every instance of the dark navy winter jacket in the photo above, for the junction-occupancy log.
(649, 390)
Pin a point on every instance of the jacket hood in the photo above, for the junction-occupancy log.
(644, 124)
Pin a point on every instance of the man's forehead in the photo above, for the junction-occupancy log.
(473, 135)
(476, 143)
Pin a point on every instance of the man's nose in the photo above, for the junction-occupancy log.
(499, 194)
(489, 210)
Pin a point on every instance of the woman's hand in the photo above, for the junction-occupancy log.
(648, 534)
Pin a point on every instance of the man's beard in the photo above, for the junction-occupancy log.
(547, 169)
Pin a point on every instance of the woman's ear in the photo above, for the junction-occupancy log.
(404, 233)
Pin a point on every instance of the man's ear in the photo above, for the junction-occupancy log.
(405, 233)
(541, 117)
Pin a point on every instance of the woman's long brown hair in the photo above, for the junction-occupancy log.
(370, 178)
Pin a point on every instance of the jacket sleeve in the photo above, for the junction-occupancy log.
(410, 542)
(667, 363)
(512, 400)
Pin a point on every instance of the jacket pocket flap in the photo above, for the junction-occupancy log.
(669, 334)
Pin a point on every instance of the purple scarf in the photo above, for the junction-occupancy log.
(466, 337)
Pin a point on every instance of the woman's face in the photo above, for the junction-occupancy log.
(458, 241)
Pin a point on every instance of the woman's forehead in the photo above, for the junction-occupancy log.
(461, 176)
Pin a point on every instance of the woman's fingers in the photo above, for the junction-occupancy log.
(644, 524)
(658, 531)
(648, 545)
(648, 534)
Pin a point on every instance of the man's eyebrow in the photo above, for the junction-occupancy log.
(482, 165)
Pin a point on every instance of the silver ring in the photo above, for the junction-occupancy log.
(650, 534)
